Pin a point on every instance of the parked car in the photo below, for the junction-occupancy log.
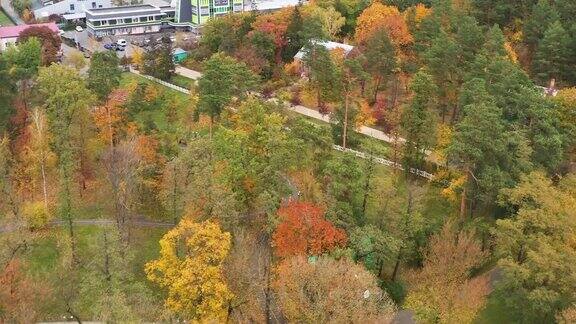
(110, 46)
(79, 29)
(122, 42)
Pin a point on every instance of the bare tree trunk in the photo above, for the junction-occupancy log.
(397, 266)
(377, 87)
(345, 130)
(463, 198)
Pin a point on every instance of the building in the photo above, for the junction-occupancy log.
(9, 34)
(127, 20)
(71, 7)
(330, 46)
(197, 12)
(179, 55)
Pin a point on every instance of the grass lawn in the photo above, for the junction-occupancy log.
(495, 312)
(4, 19)
(181, 81)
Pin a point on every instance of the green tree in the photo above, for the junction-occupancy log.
(552, 56)
(66, 99)
(294, 34)
(7, 88)
(536, 245)
(25, 59)
(104, 74)
(223, 79)
(380, 57)
(542, 16)
(158, 61)
(417, 120)
(323, 74)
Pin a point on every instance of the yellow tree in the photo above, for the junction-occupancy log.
(441, 291)
(190, 269)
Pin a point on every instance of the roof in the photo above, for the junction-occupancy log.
(14, 31)
(124, 11)
(178, 51)
(269, 4)
(328, 45)
(73, 16)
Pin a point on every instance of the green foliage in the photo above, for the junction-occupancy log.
(324, 76)
(553, 54)
(537, 248)
(158, 61)
(104, 73)
(223, 79)
(25, 59)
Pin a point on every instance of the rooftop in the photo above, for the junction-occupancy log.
(329, 46)
(121, 10)
(14, 31)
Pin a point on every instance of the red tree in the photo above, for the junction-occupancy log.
(50, 40)
(304, 230)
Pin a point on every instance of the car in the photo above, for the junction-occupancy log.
(110, 46)
(120, 48)
(79, 29)
(121, 42)
(86, 54)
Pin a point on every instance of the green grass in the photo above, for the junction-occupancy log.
(4, 19)
(181, 81)
(495, 312)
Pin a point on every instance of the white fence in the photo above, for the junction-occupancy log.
(385, 162)
(164, 83)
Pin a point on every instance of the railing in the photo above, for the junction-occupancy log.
(164, 83)
(385, 162)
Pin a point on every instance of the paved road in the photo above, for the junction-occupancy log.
(191, 74)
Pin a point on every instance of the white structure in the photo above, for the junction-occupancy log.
(71, 7)
(328, 45)
(9, 34)
(264, 5)
(139, 19)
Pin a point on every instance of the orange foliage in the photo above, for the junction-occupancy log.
(147, 148)
(304, 230)
(379, 16)
(275, 25)
(107, 118)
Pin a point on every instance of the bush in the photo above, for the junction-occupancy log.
(36, 214)
(396, 290)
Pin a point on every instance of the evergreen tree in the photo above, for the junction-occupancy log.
(417, 120)
(552, 56)
(324, 76)
(380, 59)
(542, 16)
(294, 35)
(104, 74)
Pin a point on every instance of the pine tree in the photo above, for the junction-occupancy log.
(551, 59)
(417, 120)
(543, 15)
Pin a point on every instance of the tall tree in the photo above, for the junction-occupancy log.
(442, 290)
(66, 100)
(417, 120)
(104, 74)
(536, 245)
(193, 277)
(552, 56)
(380, 57)
(223, 79)
(323, 74)
(542, 16)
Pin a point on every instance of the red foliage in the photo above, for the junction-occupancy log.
(304, 230)
(50, 40)
(274, 24)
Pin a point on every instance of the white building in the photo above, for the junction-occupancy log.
(128, 20)
(71, 7)
(330, 46)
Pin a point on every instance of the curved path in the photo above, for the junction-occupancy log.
(94, 222)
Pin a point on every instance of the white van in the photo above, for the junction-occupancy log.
(122, 42)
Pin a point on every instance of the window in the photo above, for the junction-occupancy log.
(99, 6)
(127, 20)
(71, 7)
(112, 21)
(93, 4)
(158, 17)
(143, 19)
(96, 23)
(151, 18)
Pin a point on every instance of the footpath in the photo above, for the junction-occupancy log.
(5, 4)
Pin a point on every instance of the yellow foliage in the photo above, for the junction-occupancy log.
(190, 269)
(36, 214)
(511, 53)
(443, 138)
(365, 116)
(292, 68)
(420, 12)
(151, 93)
(138, 57)
(451, 192)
